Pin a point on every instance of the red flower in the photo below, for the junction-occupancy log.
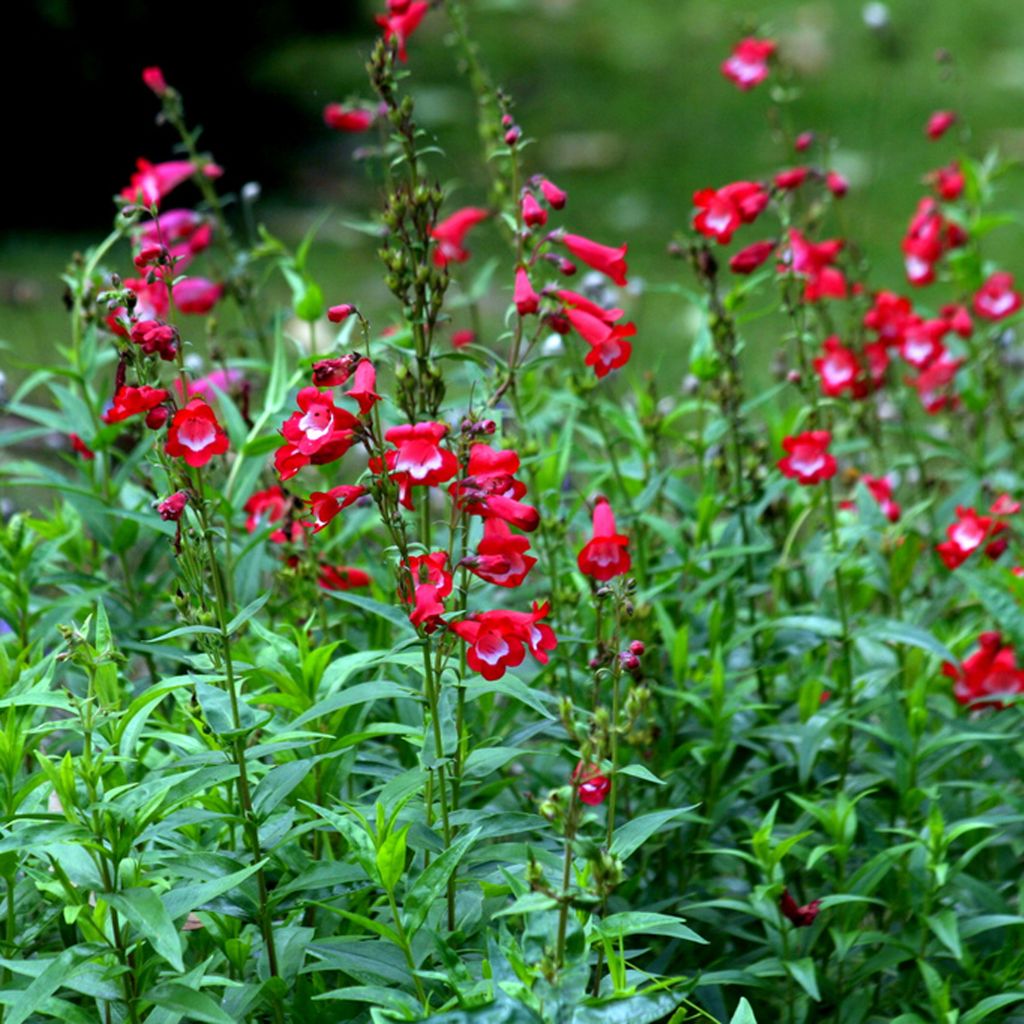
(500, 556)
(269, 506)
(928, 236)
(934, 384)
(195, 434)
(538, 636)
(801, 917)
(402, 23)
(363, 383)
(451, 234)
(347, 119)
(151, 182)
(880, 488)
(555, 196)
(747, 260)
(327, 504)
(196, 295)
(425, 584)
(329, 373)
(808, 460)
(604, 258)
(958, 320)
(889, 316)
(1004, 505)
(342, 577)
(987, 675)
(155, 338)
(591, 786)
(463, 337)
(338, 314)
(948, 181)
(996, 299)
(171, 509)
(965, 535)
(81, 447)
(419, 453)
(153, 78)
(813, 262)
(790, 179)
(721, 211)
(534, 215)
(747, 65)
(836, 184)
(939, 123)
(493, 643)
(608, 348)
(130, 402)
(318, 425)
(922, 342)
(526, 299)
(490, 489)
(606, 554)
(839, 370)
(178, 234)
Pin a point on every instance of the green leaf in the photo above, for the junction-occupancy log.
(194, 895)
(640, 1009)
(743, 1015)
(28, 1001)
(278, 783)
(989, 1005)
(248, 612)
(192, 1004)
(146, 913)
(643, 922)
(803, 973)
(432, 883)
(638, 771)
(944, 927)
(391, 859)
(630, 837)
(894, 632)
(361, 693)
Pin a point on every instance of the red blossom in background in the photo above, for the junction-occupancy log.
(880, 488)
(934, 384)
(152, 182)
(948, 181)
(268, 506)
(81, 447)
(808, 460)
(342, 577)
(939, 123)
(839, 370)
(814, 263)
(556, 197)
(400, 23)
(747, 260)
(325, 505)
(196, 295)
(195, 435)
(451, 232)
(606, 554)
(606, 259)
(747, 65)
(720, 212)
(968, 533)
(501, 556)
(348, 119)
(997, 299)
(989, 676)
(799, 916)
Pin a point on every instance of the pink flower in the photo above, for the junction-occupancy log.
(151, 182)
(808, 460)
(608, 260)
(939, 123)
(534, 215)
(347, 119)
(553, 194)
(339, 314)
(526, 299)
(747, 65)
(196, 295)
(451, 234)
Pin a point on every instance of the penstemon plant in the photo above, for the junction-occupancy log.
(429, 662)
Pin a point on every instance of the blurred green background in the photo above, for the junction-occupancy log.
(625, 101)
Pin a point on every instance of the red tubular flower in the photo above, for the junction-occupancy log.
(172, 508)
(401, 24)
(338, 314)
(606, 554)
(939, 123)
(501, 556)
(347, 119)
(747, 65)
(534, 215)
(888, 317)
(195, 435)
(130, 402)
(934, 384)
(363, 383)
(922, 342)
(808, 460)
(880, 488)
(419, 453)
(836, 184)
(451, 234)
(721, 211)
(342, 577)
(493, 643)
(151, 182)
(330, 373)
(989, 676)
(799, 916)
(155, 338)
(928, 236)
(555, 197)
(81, 447)
(948, 181)
(267, 506)
(814, 263)
(839, 370)
(538, 636)
(747, 260)
(591, 786)
(327, 504)
(996, 299)
(792, 178)
(318, 424)
(153, 78)
(965, 536)
(958, 320)
(490, 489)
(425, 584)
(608, 347)
(196, 295)
(606, 259)
(463, 337)
(526, 299)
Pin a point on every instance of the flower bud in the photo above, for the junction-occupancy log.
(338, 314)
(172, 508)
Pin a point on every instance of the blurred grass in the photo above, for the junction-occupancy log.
(630, 114)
